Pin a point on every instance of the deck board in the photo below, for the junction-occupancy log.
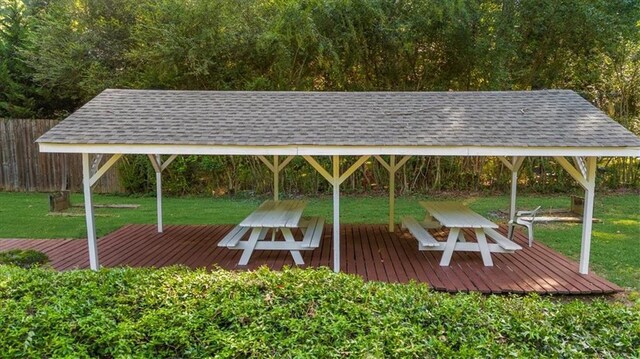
(367, 250)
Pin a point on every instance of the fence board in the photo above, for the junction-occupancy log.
(24, 168)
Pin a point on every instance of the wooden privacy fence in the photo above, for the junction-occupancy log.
(24, 168)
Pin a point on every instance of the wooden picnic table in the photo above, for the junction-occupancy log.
(276, 214)
(456, 217)
(280, 216)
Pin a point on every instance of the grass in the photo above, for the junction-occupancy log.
(615, 250)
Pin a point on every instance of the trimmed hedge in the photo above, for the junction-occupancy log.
(178, 312)
(25, 258)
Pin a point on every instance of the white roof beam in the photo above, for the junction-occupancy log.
(96, 176)
(581, 165)
(574, 172)
(267, 163)
(383, 162)
(155, 163)
(167, 162)
(506, 162)
(318, 167)
(353, 168)
(95, 164)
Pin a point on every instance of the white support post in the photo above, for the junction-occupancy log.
(514, 189)
(514, 166)
(276, 167)
(587, 217)
(276, 179)
(392, 193)
(276, 188)
(587, 178)
(159, 166)
(159, 193)
(336, 179)
(336, 213)
(392, 167)
(512, 206)
(88, 208)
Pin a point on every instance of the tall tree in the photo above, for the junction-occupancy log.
(15, 85)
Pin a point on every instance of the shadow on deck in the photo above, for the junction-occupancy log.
(367, 250)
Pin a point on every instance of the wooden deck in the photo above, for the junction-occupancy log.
(367, 250)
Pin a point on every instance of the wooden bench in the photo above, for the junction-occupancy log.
(501, 240)
(312, 228)
(422, 235)
(232, 238)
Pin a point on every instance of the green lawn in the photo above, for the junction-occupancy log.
(615, 250)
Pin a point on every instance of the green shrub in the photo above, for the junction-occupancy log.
(177, 312)
(25, 258)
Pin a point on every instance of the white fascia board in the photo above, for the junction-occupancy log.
(301, 150)
(469, 151)
(178, 149)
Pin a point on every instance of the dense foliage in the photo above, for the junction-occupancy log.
(176, 312)
(219, 175)
(74, 49)
(56, 55)
(25, 258)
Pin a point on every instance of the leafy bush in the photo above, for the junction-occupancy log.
(25, 258)
(177, 312)
(56, 55)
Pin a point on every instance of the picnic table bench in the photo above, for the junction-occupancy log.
(456, 217)
(280, 216)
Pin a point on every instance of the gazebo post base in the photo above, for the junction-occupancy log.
(88, 209)
(336, 213)
(587, 218)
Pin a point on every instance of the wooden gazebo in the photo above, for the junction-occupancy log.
(389, 126)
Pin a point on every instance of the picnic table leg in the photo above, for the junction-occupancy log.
(484, 247)
(449, 247)
(256, 233)
(288, 236)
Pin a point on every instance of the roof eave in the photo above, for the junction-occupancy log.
(314, 150)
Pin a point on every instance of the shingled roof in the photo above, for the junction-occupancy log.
(550, 118)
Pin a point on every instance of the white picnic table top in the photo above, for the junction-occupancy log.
(456, 215)
(276, 214)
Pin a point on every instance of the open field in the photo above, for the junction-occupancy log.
(615, 249)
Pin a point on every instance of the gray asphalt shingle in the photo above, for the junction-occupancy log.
(503, 118)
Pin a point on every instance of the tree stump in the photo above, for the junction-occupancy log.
(59, 201)
(577, 205)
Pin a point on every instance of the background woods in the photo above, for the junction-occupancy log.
(56, 55)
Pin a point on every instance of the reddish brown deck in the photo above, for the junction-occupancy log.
(367, 250)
